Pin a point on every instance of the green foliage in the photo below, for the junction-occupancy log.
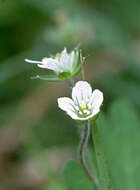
(56, 187)
(105, 181)
(75, 177)
(121, 133)
(48, 78)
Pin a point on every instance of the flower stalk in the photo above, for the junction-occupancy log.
(71, 82)
(82, 66)
(82, 150)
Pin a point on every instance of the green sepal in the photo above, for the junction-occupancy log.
(76, 60)
(77, 63)
(48, 78)
(77, 70)
(81, 122)
(65, 75)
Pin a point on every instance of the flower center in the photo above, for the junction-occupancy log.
(83, 110)
(58, 56)
(83, 106)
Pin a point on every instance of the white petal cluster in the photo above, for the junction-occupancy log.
(63, 62)
(84, 104)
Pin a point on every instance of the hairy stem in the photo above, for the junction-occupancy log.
(70, 82)
(83, 146)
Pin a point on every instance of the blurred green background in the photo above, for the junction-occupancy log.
(36, 138)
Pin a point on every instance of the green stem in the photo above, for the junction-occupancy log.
(103, 170)
(82, 72)
(70, 82)
(83, 146)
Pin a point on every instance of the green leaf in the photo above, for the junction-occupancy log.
(120, 132)
(75, 177)
(56, 186)
(48, 78)
(105, 180)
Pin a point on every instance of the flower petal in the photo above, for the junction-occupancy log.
(81, 92)
(73, 115)
(96, 100)
(32, 61)
(67, 105)
(49, 63)
(65, 60)
(46, 60)
(95, 112)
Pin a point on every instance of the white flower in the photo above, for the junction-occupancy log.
(84, 104)
(62, 62)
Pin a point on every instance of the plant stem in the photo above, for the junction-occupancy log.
(70, 82)
(82, 72)
(83, 146)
